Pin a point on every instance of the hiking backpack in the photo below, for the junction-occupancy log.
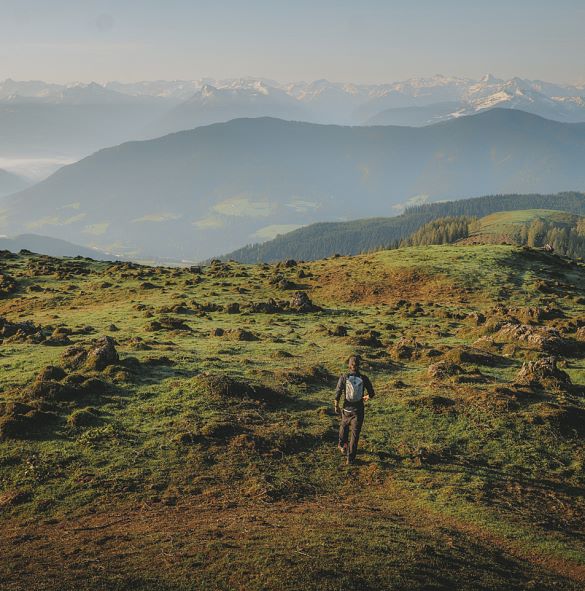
(354, 388)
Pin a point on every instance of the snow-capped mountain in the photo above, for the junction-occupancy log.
(42, 119)
(553, 101)
(70, 94)
(319, 100)
(238, 98)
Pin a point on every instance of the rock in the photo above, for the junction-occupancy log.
(367, 338)
(158, 361)
(233, 308)
(96, 356)
(84, 417)
(544, 339)
(24, 425)
(153, 326)
(102, 354)
(464, 354)
(8, 284)
(93, 386)
(59, 337)
(180, 308)
(241, 334)
(74, 357)
(269, 307)
(314, 374)
(207, 307)
(406, 348)
(14, 408)
(138, 344)
(339, 331)
(286, 284)
(168, 323)
(20, 330)
(301, 302)
(443, 369)
(542, 372)
(476, 318)
(227, 387)
(51, 372)
(50, 390)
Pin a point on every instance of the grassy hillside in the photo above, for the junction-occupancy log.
(562, 231)
(501, 221)
(321, 240)
(198, 448)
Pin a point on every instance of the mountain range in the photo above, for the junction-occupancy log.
(46, 119)
(194, 194)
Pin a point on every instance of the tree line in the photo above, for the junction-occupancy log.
(324, 239)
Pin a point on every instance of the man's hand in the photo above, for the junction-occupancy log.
(366, 397)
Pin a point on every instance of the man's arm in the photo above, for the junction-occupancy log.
(368, 386)
(340, 388)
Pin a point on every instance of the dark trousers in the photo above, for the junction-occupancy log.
(350, 424)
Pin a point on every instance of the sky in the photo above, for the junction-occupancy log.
(364, 41)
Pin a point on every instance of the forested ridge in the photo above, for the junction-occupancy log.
(565, 235)
(325, 239)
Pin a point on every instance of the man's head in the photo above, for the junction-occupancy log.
(354, 363)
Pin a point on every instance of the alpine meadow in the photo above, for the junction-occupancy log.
(265, 331)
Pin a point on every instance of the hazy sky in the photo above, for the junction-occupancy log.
(358, 40)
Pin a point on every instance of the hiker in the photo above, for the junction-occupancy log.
(352, 386)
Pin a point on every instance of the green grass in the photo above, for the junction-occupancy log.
(229, 493)
(499, 223)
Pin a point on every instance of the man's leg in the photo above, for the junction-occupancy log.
(355, 428)
(343, 428)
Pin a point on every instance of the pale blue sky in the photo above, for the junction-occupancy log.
(365, 41)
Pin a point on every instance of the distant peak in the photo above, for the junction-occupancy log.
(489, 79)
(208, 90)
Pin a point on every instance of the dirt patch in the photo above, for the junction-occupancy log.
(386, 287)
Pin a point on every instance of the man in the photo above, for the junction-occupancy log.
(352, 386)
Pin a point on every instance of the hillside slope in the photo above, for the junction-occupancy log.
(194, 194)
(51, 246)
(325, 239)
(198, 448)
(557, 231)
(10, 182)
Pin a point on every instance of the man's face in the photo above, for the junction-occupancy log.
(354, 364)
